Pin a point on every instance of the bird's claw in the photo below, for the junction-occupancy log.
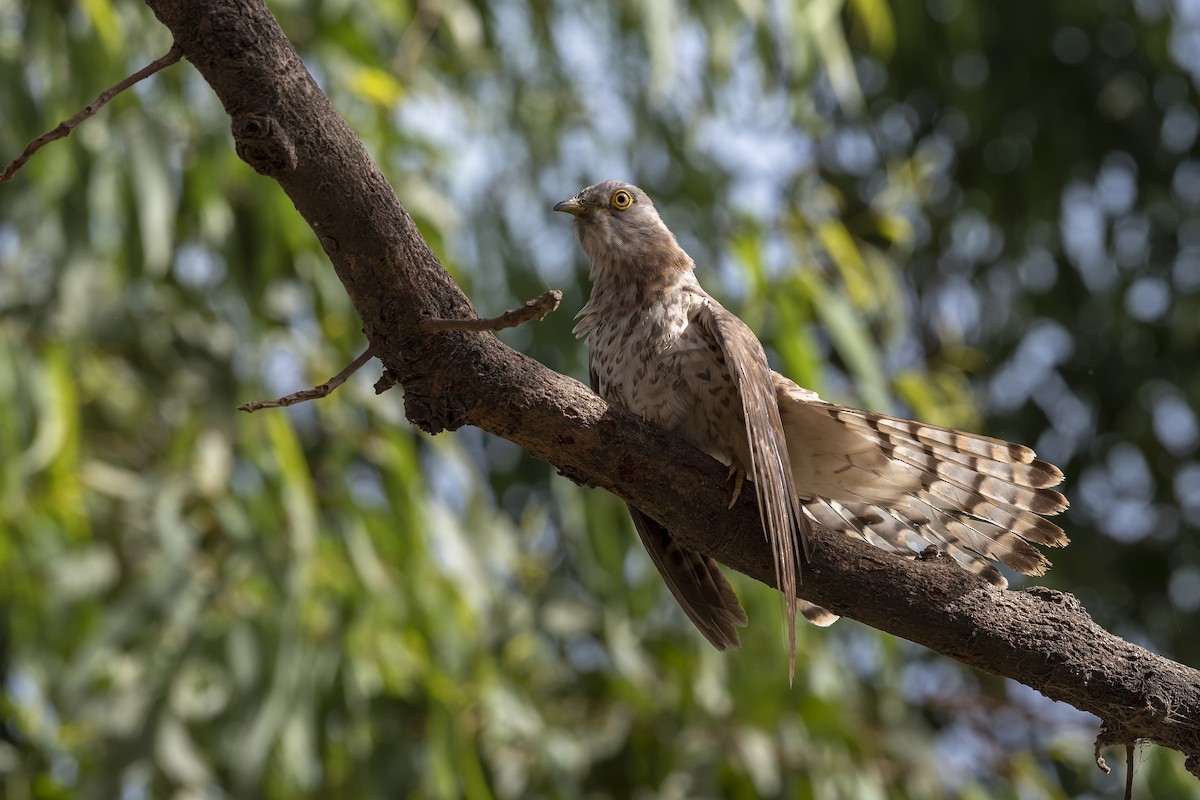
(739, 475)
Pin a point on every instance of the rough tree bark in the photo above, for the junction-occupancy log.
(286, 129)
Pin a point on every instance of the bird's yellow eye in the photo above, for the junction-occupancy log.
(621, 200)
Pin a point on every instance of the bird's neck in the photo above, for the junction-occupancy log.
(630, 295)
(648, 255)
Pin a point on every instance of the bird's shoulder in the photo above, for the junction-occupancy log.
(722, 326)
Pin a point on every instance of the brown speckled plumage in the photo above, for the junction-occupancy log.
(660, 346)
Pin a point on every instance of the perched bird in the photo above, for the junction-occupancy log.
(660, 346)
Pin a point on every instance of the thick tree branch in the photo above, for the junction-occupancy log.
(286, 128)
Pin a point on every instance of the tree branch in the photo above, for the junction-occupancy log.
(286, 128)
(535, 309)
(64, 128)
(317, 392)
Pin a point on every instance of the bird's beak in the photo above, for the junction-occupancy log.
(574, 207)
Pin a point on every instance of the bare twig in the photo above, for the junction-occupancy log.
(534, 309)
(64, 128)
(1129, 771)
(317, 392)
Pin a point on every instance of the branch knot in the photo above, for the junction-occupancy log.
(263, 144)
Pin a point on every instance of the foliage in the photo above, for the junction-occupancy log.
(325, 602)
(1069, 226)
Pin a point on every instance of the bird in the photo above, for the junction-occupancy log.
(660, 346)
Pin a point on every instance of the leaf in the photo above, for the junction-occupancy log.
(376, 86)
(852, 340)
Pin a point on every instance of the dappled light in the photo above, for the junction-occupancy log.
(979, 215)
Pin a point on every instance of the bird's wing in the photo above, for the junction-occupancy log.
(769, 467)
(903, 485)
(695, 580)
(697, 583)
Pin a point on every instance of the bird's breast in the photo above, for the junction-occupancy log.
(631, 355)
(660, 366)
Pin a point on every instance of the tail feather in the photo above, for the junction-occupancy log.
(1036, 474)
(1028, 484)
(697, 583)
(990, 542)
(1011, 517)
(818, 616)
(978, 453)
(932, 435)
(874, 475)
(904, 485)
(973, 543)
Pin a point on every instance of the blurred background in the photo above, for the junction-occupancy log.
(981, 214)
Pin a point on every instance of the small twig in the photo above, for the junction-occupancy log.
(324, 390)
(537, 308)
(1129, 772)
(64, 128)
(534, 309)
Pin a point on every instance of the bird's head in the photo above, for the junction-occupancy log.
(622, 234)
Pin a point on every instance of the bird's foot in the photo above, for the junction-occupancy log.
(739, 476)
(930, 553)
